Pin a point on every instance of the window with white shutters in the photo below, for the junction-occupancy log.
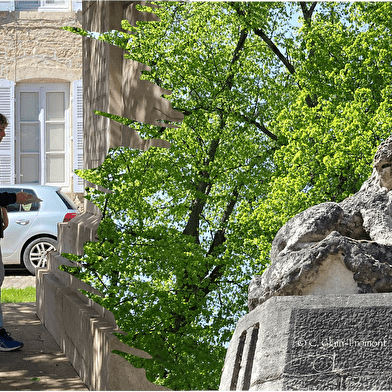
(42, 133)
(7, 146)
(77, 120)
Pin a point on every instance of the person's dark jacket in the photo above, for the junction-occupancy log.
(7, 198)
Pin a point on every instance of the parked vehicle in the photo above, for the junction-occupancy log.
(32, 230)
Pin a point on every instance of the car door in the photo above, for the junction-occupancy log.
(21, 219)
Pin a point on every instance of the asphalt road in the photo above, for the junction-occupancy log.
(11, 270)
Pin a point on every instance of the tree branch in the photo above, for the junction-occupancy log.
(204, 187)
(192, 226)
(284, 60)
(236, 56)
(261, 127)
(307, 13)
(275, 49)
(219, 237)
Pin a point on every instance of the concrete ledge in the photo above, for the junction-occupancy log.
(84, 331)
(313, 342)
(79, 230)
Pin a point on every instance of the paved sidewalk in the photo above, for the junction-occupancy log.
(40, 365)
(18, 282)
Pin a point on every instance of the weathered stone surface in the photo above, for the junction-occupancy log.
(34, 47)
(331, 342)
(339, 348)
(335, 248)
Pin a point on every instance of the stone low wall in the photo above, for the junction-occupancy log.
(84, 331)
(313, 342)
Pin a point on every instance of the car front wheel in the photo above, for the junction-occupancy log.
(36, 253)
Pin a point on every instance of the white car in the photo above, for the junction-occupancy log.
(32, 229)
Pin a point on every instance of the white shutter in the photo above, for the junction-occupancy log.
(77, 121)
(7, 146)
(7, 5)
(77, 5)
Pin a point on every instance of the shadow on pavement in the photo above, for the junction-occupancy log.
(40, 365)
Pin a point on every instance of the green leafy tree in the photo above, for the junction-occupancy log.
(340, 115)
(279, 116)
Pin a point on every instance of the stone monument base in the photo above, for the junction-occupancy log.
(314, 342)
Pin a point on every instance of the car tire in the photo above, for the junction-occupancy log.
(35, 254)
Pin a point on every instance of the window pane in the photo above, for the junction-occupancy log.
(27, 5)
(29, 137)
(55, 137)
(30, 207)
(54, 2)
(55, 107)
(29, 106)
(29, 169)
(55, 165)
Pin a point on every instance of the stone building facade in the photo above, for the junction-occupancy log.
(41, 94)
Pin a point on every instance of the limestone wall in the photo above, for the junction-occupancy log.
(32, 46)
(102, 79)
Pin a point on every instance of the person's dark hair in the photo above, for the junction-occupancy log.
(3, 120)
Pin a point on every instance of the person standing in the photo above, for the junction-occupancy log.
(7, 343)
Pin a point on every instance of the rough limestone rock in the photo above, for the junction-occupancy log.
(335, 248)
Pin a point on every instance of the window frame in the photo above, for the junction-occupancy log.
(44, 7)
(42, 89)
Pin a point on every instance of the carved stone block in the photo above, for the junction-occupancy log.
(313, 343)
